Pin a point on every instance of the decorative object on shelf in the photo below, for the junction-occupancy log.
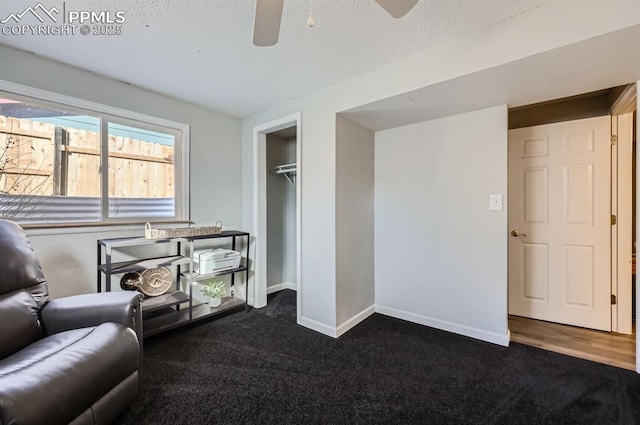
(182, 232)
(131, 281)
(156, 281)
(214, 290)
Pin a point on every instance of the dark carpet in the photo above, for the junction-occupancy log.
(262, 368)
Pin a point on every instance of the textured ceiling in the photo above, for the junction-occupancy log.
(201, 51)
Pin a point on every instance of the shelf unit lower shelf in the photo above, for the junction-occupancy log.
(161, 320)
(167, 300)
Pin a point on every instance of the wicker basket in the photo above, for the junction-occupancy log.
(183, 232)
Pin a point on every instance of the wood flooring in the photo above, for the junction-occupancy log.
(604, 347)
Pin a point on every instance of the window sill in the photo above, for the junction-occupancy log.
(79, 228)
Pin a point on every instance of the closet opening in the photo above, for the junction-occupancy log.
(277, 180)
(281, 175)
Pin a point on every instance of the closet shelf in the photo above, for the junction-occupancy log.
(287, 170)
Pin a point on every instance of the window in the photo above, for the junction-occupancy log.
(62, 164)
(141, 172)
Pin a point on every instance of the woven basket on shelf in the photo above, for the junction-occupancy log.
(183, 232)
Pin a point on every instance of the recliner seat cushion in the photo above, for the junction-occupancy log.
(53, 380)
(20, 324)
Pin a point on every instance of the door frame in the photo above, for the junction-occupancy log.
(621, 282)
(260, 206)
(621, 207)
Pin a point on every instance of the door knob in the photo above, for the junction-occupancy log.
(516, 233)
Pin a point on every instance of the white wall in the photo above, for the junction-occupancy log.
(440, 254)
(354, 223)
(69, 260)
(554, 25)
(291, 221)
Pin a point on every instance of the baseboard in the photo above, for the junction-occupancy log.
(281, 286)
(355, 320)
(340, 330)
(318, 327)
(444, 325)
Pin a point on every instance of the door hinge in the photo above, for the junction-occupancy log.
(614, 219)
(614, 140)
(614, 300)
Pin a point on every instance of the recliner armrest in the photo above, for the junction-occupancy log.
(81, 311)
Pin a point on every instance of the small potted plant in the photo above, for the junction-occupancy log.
(214, 290)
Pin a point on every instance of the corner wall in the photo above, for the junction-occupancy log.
(355, 295)
(440, 253)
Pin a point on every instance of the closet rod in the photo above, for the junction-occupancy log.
(286, 170)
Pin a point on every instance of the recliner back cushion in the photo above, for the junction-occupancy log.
(19, 322)
(19, 267)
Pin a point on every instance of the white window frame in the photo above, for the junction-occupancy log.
(118, 115)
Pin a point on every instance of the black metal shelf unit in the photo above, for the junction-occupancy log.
(164, 312)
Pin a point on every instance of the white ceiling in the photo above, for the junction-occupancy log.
(201, 50)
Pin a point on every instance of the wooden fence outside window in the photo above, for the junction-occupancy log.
(42, 159)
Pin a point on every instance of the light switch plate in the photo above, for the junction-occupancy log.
(495, 202)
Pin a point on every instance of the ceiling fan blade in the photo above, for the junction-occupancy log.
(266, 25)
(397, 8)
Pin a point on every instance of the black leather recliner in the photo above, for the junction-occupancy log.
(70, 360)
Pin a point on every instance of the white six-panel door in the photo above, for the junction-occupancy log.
(559, 218)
